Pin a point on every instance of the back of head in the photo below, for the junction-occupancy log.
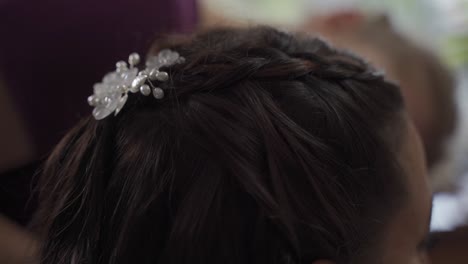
(268, 148)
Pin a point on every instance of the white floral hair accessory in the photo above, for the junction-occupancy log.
(111, 94)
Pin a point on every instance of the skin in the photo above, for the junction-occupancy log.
(15, 145)
(407, 234)
(16, 245)
(405, 238)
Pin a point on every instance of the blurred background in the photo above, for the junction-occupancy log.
(51, 53)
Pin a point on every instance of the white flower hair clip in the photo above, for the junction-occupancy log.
(111, 94)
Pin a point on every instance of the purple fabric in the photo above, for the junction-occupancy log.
(53, 51)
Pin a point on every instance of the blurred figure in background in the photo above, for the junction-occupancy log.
(427, 85)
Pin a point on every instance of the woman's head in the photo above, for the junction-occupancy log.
(267, 148)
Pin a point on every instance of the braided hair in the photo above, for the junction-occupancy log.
(267, 148)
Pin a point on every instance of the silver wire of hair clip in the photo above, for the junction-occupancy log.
(111, 94)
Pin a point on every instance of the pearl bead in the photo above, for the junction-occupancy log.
(137, 82)
(158, 93)
(92, 100)
(145, 90)
(134, 59)
(162, 76)
(121, 65)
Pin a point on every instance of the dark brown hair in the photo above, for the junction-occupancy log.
(268, 148)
